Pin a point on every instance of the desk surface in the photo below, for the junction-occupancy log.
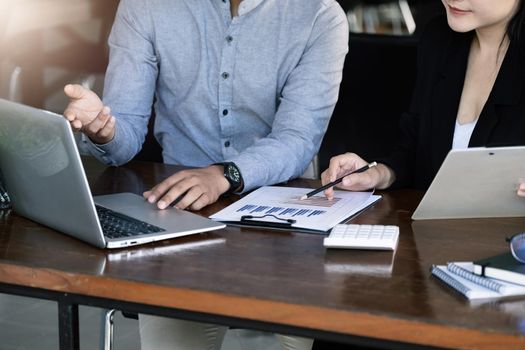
(282, 279)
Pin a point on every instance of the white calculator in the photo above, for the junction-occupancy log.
(376, 237)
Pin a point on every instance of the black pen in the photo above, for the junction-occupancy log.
(333, 183)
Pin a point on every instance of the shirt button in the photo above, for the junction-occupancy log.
(229, 38)
(225, 112)
(227, 144)
(225, 75)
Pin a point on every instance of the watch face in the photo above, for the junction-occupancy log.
(233, 173)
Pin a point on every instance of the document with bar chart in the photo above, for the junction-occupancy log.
(281, 207)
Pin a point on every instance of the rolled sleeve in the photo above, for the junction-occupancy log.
(130, 82)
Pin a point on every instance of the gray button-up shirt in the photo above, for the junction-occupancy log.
(257, 89)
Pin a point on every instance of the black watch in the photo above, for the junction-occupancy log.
(233, 175)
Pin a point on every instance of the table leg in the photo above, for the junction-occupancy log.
(68, 326)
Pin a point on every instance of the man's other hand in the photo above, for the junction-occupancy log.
(190, 189)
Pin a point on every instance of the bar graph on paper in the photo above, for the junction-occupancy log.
(279, 211)
(273, 203)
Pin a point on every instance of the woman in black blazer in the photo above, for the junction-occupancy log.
(470, 92)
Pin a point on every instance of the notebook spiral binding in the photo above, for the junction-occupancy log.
(451, 281)
(482, 281)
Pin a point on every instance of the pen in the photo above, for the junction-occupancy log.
(333, 183)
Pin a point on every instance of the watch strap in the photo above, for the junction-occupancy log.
(234, 184)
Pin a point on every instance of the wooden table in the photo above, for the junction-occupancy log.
(272, 280)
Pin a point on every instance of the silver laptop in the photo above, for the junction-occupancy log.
(476, 183)
(41, 168)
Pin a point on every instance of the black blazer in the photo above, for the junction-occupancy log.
(427, 129)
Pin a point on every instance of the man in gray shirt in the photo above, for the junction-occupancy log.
(244, 90)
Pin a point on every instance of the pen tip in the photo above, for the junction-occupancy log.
(304, 197)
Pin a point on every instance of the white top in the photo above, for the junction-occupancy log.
(462, 134)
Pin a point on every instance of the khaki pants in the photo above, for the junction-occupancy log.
(160, 333)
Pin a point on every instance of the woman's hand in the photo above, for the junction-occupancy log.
(379, 176)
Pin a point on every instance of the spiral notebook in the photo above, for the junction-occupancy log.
(459, 276)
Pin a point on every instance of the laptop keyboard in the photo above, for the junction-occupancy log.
(117, 225)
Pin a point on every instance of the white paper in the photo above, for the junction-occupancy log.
(315, 213)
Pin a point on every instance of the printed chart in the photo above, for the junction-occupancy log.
(277, 204)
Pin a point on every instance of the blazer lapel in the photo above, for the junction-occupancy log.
(447, 95)
(505, 92)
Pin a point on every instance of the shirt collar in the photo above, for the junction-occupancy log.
(248, 5)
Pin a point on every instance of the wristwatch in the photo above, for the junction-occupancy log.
(233, 175)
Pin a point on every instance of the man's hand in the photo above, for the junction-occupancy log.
(86, 113)
(190, 189)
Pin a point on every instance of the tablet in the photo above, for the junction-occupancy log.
(476, 183)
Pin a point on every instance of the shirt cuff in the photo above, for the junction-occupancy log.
(101, 152)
